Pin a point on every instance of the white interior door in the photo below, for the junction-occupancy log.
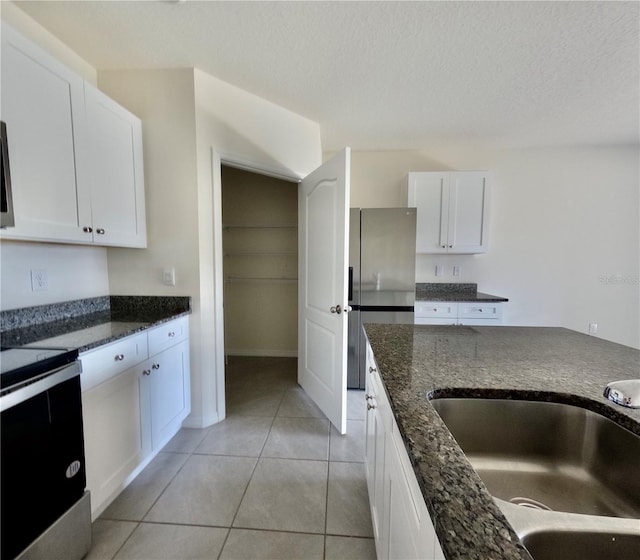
(323, 256)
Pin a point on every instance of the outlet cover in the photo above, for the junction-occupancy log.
(39, 280)
(593, 328)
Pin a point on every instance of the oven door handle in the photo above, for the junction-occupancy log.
(33, 388)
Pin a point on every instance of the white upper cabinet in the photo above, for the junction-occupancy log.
(43, 108)
(452, 211)
(76, 155)
(117, 175)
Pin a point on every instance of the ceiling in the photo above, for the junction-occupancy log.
(392, 75)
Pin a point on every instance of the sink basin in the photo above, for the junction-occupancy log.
(580, 545)
(548, 455)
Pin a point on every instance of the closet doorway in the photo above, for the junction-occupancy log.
(260, 246)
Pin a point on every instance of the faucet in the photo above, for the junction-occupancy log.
(625, 393)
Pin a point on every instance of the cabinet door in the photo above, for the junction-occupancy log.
(429, 193)
(117, 176)
(468, 213)
(116, 434)
(43, 107)
(375, 428)
(169, 392)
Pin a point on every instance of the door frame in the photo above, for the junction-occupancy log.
(218, 159)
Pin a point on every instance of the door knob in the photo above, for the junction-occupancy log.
(336, 309)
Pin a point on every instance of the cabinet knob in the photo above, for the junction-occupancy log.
(119, 357)
(100, 231)
(367, 397)
(87, 229)
(450, 246)
(372, 369)
(146, 372)
(444, 246)
(171, 334)
(370, 406)
(155, 366)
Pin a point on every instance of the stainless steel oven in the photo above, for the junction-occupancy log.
(45, 511)
(6, 197)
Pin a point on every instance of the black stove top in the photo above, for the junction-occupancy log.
(22, 363)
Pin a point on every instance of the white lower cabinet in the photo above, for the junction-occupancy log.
(129, 416)
(116, 435)
(457, 313)
(402, 525)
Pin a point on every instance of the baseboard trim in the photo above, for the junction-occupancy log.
(263, 352)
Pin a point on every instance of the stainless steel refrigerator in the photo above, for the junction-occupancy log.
(382, 269)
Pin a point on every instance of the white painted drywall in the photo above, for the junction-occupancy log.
(73, 272)
(564, 232)
(190, 120)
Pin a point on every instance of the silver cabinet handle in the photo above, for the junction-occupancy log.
(146, 372)
(100, 231)
(87, 229)
(119, 357)
(367, 397)
(171, 334)
(444, 246)
(155, 366)
(450, 246)
(370, 406)
(372, 369)
(336, 309)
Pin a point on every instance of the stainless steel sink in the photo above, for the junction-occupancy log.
(581, 545)
(548, 455)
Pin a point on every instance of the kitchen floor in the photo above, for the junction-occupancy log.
(274, 480)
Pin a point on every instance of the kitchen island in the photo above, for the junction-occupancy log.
(416, 363)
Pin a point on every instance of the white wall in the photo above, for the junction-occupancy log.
(189, 120)
(564, 231)
(73, 272)
(237, 126)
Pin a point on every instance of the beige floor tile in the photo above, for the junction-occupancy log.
(245, 544)
(297, 404)
(348, 501)
(285, 495)
(173, 542)
(136, 499)
(349, 548)
(107, 537)
(350, 446)
(298, 438)
(186, 440)
(237, 435)
(207, 491)
(254, 403)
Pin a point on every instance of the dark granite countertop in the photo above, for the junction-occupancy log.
(88, 323)
(453, 292)
(533, 363)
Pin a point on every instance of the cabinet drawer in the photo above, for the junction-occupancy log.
(105, 362)
(168, 334)
(436, 309)
(480, 311)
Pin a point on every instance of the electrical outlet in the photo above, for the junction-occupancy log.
(439, 270)
(39, 280)
(456, 270)
(593, 328)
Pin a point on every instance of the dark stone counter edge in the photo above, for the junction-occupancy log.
(436, 508)
(476, 495)
(129, 332)
(459, 297)
(69, 317)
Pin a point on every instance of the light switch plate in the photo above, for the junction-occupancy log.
(169, 276)
(39, 280)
